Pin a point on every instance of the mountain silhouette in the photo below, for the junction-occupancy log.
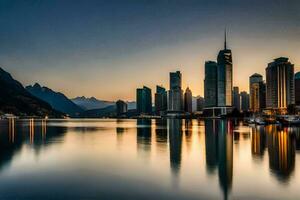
(91, 103)
(57, 100)
(94, 103)
(15, 99)
(109, 111)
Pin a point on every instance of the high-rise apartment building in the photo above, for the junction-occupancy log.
(161, 99)
(280, 88)
(175, 102)
(257, 90)
(144, 100)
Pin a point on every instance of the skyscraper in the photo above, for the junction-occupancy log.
(121, 107)
(210, 84)
(200, 103)
(144, 100)
(188, 104)
(224, 75)
(175, 102)
(297, 88)
(218, 84)
(161, 99)
(280, 84)
(244, 101)
(257, 90)
(236, 98)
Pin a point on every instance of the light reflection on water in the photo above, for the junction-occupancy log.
(164, 159)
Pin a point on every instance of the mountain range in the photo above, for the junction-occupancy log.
(15, 99)
(91, 103)
(57, 100)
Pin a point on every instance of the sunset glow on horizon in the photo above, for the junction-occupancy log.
(108, 49)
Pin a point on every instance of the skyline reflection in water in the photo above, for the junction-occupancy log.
(166, 159)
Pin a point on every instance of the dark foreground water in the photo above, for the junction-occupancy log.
(144, 159)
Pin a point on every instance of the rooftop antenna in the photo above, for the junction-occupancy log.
(225, 42)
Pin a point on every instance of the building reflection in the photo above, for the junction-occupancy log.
(120, 130)
(188, 130)
(11, 129)
(258, 141)
(31, 130)
(295, 132)
(281, 151)
(219, 151)
(175, 140)
(16, 133)
(211, 145)
(144, 135)
(161, 133)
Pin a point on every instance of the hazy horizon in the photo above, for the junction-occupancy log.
(107, 49)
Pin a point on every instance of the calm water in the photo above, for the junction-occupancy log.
(144, 159)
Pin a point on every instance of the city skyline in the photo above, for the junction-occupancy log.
(78, 57)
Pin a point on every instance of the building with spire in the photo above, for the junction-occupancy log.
(224, 75)
(218, 83)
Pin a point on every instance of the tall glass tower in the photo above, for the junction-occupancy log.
(225, 76)
(280, 84)
(210, 84)
(144, 100)
(175, 102)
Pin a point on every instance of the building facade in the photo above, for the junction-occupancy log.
(224, 75)
(210, 84)
(121, 108)
(161, 98)
(244, 101)
(188, 100)
(297, 88)
(175, 102)
(200, 103)
(257, 90)
(236, 98)
(280, 90)
(218, 84)
(144, 100)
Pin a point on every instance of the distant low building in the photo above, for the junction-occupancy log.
(244, 101)
(188, 100)
(236, 98)
(200, 103)
(121, 108)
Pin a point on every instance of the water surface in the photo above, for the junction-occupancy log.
(147, 159)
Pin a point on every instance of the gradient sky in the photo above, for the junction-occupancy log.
(109, 48)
